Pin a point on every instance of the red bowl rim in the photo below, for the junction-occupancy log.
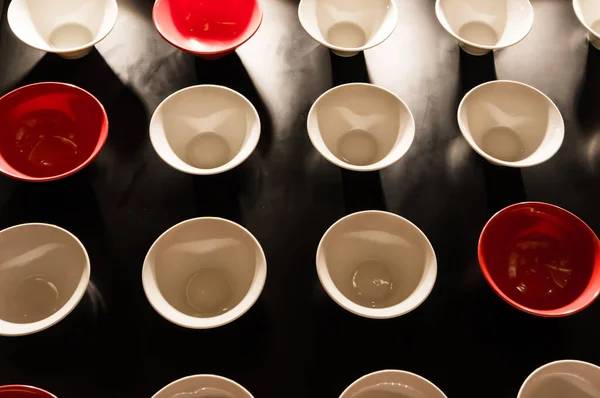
(27, 388)
(555, 313)
(202, 53)
(99, 144)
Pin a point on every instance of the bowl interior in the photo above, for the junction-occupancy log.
(511, 122)
(62, 25)
(361, 125)
(561, 379)
(207, 26)
(48, 130)
(541, 257)
(41, 267)
(203, 386)
(205, 128)
(589, 11)
(496, 23)
(376, 260)
(348, 24)
(392, 384)
(204, 268)
(23, 392)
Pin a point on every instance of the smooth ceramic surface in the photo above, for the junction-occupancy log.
(348, 26)
(69, 28)
(44, 273)
(376, 264)
(204, 273)
(210, 29)
(208, 386)
(205, 129)
(541, 259)
(588, 13)
(361, 127)
(481, 26)
(392, 384)
(511, 124)
(16, 391)
(49, 131)
(561, 379)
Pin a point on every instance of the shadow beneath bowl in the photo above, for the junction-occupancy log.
(503, 185)
(349, 70)
(475, 71)
(230, 72)
(588, 96)
(362, 191)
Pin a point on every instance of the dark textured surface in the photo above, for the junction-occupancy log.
(296, 342)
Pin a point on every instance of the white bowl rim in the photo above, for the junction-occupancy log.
(219, 320)
(393, 8)
(383, 163)
(24, 329)
(252, 143)
(203, 376)
(552, 364)
(492, 159)
(67, 50)
(439, 13)
(394, 372)
(373, 313)
(579, 16)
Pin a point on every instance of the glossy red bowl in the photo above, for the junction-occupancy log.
(23, 392)
(541, 259)
(49, 131)
(208, 28)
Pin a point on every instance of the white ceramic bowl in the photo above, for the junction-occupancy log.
(511, 124)
(392, 383)
(376, 264)
(208, 386)
(481, 26)
(563, 379)
(205, 129)
(204, 273)
(44, 273)
(588, 13)
(348, 26)
(361, 127)
(69, 28)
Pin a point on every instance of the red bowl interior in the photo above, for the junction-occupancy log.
(49, 131)
(23, 392)
(541, 259)
(206, 27)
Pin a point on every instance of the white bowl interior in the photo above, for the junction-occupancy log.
(203, 386)
(348, 24)
(376, 264)
(205, 129)
(204, 272)
(572, 379)
(62, 25)
(511, 123)
(392, 384)
(589, 12)
(44, 271)
(361, 127)
(495, 23)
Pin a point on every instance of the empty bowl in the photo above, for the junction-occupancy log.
(210, 29)
(562, 379)
(541, 259)
(205, 130)
(511, 124)
(208, 386)
(23, 392)
(481, 26)
(69, 28)
(348, 27)
(49, 131)
(376, 264)
(44, 273)
(361, 127)
(204, 273)
(588, 13)
(392, 383)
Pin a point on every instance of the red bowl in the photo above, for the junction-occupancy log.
(23, 392)
(541, 259)
(210, 29)
(49, 131)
